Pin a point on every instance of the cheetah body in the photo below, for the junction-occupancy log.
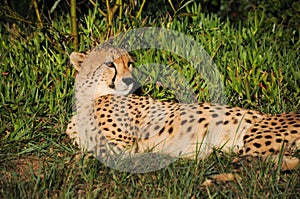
(109, 120)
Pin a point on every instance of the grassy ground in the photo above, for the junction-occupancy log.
(259, 64)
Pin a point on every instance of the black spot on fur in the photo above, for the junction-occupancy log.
(183, 122)
(273, 123)
(147, 136)
(192, 120)
(278, 140)
(248, 121)
(254, 130)
(268, 143)
(257, 145)
(247, 149)
(219, 122)
(214, 115)
(161, 131)
(271, 150)
(246, 137)
(201, 120)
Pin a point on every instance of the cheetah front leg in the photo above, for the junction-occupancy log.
(72, 131)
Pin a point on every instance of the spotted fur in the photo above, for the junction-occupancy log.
(109, 120)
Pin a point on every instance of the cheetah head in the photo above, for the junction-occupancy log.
(103, 70)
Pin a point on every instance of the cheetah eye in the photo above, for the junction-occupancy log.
(130, 64)
(110, 64)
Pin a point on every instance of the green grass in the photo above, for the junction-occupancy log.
(259, 68)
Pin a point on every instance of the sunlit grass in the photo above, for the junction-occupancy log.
(37, 160)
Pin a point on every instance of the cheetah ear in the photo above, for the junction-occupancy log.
(76, 59)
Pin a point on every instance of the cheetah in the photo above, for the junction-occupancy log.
(110, 121)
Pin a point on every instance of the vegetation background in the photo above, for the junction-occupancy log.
(255, 45)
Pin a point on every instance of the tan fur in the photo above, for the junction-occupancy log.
(110, 117)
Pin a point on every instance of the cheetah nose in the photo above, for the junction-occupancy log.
(128, 81)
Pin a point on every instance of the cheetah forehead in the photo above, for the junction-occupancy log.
(109, 54)
(98, 56)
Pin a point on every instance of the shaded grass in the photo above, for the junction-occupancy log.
(60, 177)
(36, 82)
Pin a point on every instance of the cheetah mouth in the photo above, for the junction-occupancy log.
(135, 88)
(129, 89)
